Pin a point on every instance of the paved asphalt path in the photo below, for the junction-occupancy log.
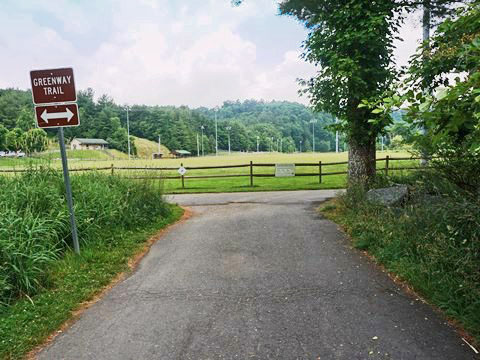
(257, 276)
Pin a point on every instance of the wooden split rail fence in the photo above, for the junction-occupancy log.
(319, 170)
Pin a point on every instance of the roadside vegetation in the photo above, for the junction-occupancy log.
(432, 240)
(41, 280)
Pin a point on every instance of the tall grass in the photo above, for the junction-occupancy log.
(35, 228)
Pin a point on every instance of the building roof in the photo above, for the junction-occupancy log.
(91, 141)
(183, 152)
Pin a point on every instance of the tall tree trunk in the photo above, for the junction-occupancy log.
(361, 161)
(426, 19)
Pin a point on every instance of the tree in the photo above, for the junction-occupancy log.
(34, 140)
(449, 109)
(25, 119)
(13, 139)
(352, 43)
(12, 101)
(3, 135)
(119, 138)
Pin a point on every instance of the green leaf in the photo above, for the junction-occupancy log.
(424, 106)
(442, 94)
(377, 111)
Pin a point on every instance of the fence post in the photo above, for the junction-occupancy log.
(387, 160)
(251, 173)
(111, 169)
(320, 172)
(183, 178)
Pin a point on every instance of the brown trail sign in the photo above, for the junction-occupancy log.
(53, 86)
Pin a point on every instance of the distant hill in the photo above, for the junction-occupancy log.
(145, 148)
(288, 121)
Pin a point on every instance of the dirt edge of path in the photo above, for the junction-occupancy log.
(132, 265)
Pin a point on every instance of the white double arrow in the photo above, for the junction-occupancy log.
(57, 115)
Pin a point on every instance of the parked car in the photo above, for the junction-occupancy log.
(2, 154)
(20, 154)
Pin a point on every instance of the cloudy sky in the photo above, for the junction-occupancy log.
(165, 52)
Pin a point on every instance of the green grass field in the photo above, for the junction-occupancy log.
(230, 184)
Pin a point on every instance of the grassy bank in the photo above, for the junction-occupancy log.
(432, 242)
(41, 280)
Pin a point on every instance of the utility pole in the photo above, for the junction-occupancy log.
(159, 144)
(271, 145)
(128, 134)
(336, 138)
(198, 146)
(382, 142)
(216, 131)
(203, 152)
(281, 145)
(228, 133)
(301, 145)
(258, 139)
(313, 121)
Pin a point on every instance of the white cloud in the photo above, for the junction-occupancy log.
(150, 51)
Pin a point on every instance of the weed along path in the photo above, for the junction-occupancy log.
(257, 276)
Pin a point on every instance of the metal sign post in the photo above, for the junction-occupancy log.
(55, 99)
(68, 187)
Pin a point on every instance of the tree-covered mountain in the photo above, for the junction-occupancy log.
(275, 123)
(279, 126)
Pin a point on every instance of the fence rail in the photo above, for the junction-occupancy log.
(320, 173)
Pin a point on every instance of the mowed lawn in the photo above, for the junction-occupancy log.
(146, 169)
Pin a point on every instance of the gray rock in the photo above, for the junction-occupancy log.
(391, 196)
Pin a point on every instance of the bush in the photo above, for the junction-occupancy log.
(35, 228)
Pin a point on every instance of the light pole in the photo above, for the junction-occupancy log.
(271, 145)
(216, 131)
(281, 145)
(382, 142)
(228, 133)
(258, 139)
(313, 121)
(128, 134)
(198, 147)
(159, 144)
(336, 137)
(301, 145)
(203, 153)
